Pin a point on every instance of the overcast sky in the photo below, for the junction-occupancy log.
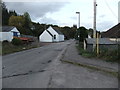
(63, 12)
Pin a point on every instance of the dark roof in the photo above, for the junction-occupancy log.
(7, 28)
(101, 41)
(57, 29)
(113, 32)
(49, 33)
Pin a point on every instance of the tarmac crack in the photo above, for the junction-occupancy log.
(22, 74)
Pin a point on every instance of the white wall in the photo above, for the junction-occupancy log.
(6, 36)
(53, 32)
(45, 37)
(61, 37)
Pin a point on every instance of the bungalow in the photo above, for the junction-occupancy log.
(52, 34)
(8, 33)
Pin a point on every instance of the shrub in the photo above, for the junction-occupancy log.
(5, 41)
(16, 41)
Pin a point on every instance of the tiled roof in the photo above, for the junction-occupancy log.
(7, 28)
(113, 32)
(57, 30)
(101, 41)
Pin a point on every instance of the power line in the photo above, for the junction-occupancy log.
(110, 9)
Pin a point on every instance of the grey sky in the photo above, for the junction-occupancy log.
(62, 13)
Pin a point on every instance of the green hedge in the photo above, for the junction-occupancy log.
(16, 41)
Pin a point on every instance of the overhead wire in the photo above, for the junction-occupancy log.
(110, 9)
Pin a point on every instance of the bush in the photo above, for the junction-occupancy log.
(16, 41)
(109, 55)
(5, 41)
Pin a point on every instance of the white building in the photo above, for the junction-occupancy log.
(8, 32)
(52, 34)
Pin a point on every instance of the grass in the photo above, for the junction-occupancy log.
(85, 53)
(8, 48)
(105, 54)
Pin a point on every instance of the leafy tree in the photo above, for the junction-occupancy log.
(39, 28)
(82, 32)
(16, 21)
(28, 23)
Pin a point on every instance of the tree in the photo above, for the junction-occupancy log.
(17, 21)
(28, 23)
(12, 13)
(5, 14)
(82, 32)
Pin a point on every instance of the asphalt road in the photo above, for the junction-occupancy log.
(42, 68)
(27, 69)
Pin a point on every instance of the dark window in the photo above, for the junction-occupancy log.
(54, 36)
(15, 34)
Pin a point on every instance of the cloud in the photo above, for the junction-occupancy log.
(100, 26)
(45, 19)
(105, 25)
(35, 9)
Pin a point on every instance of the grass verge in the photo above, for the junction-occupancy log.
(85, 53)
(8, 48)
(105, 54)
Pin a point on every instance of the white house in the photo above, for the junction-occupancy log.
(8, 32)
(52, 34)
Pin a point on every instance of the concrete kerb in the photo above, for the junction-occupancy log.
(91, 66)
(116, 74)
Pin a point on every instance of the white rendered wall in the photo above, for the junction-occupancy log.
(53, 32)
(45, 37)
(61, 37)
(6, 36)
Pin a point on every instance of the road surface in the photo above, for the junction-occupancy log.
(25, 69)
(42, 68)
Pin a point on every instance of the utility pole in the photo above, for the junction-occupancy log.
(78, 24)
(94, 26)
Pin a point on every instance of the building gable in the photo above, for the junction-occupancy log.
(54, 30)
(14, 30)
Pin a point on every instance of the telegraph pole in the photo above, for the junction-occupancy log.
(94, 26)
